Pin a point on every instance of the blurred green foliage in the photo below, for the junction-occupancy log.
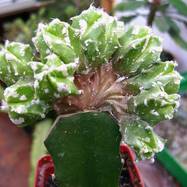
(167, 15)
(23, 31)
(64, 9)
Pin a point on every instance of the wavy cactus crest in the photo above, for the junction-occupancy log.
(95, 63)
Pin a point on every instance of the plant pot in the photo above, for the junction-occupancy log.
(130, 174)
(14, 154)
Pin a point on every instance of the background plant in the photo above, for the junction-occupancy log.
(166, 15)
(21, 30)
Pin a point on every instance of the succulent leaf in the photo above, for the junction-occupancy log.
(153, 105)
(54, 79)
(161, 74)
(13, 62)
(139, 49)
(23, 104)
(54, 39)
(99, 35)
(139, 135)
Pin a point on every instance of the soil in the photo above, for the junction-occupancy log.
(50, 182)
(124, 180)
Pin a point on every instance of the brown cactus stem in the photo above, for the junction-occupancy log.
(100, 88)
(152, 13)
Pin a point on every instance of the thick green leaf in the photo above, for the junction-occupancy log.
(85, 150)
(162, 74)
(99, 35)
(139, 49)
(141, 137)
(180, 6)
(38, 149)
(13, 62)
(23, 104)
(130, 5)
(54, 39)
(154, 105)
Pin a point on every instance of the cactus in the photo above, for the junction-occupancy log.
(94, 63)
(85, 150)
(14, 58)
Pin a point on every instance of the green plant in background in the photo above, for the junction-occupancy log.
(64, 9)
(166, 15)
(23, 31)
(92, 64)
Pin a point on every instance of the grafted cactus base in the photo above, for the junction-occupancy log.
(85, 150)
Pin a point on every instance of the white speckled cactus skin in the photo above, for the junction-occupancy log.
(93, 40)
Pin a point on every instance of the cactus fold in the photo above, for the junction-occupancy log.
(14, 58)
(141, 137)
(23, 104)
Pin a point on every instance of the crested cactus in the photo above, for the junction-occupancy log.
(94, 63)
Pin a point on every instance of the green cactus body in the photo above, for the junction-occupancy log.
(94, 63)
(85, 150)
(23, 104)
(14, 58)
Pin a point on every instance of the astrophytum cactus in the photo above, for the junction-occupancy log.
(94, 63)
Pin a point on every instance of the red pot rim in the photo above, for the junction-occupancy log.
(45, 168)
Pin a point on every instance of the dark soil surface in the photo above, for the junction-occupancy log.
(124, 180)
(14, 154)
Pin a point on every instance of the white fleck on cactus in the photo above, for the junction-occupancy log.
(95, 63)
(23, 104)
(14, 58)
